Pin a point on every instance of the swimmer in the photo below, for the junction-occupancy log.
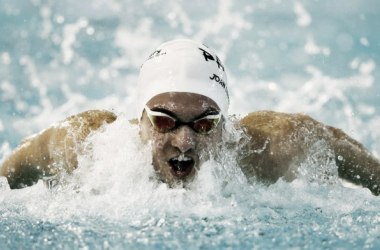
(182, 109)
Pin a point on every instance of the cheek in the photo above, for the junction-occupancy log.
(157, 143)
(145, 132)
(214, 138)
(156, 139)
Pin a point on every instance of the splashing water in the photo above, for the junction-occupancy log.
(58, 59)
(113, 200)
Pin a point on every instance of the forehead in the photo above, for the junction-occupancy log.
(183, 103)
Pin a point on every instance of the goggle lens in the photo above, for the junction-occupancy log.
(205, 125)
(162, 123)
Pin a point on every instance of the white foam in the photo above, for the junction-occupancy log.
(5, 58)
(69, 37)
(312, 49)
(303, 16)
(5, 151)
(367, 67)
(364, 41)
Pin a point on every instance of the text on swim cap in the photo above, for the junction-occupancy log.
(218, 80)
(208, 56)
(221, 82)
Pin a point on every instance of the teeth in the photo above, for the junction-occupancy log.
(182, 158)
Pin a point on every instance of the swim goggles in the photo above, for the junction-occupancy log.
(165, 123)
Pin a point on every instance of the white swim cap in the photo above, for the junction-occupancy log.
(183, 66)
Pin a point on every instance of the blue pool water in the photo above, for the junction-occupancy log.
(58, 58)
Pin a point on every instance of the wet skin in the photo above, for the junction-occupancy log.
(183, 141)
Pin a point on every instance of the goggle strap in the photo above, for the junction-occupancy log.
(218, 116)
(150, 112)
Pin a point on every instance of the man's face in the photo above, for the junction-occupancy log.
(178, 154)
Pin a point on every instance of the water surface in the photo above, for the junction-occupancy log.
(61, 58)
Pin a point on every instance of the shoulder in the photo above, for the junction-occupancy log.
(282, 131)
(76, 128)
(83, 123)
(263, 117)
(271, 122)
(91, 118)
(80, 125)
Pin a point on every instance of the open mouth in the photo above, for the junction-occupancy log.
(181, 166)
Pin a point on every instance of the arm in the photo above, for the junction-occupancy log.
(278, 143)
(52, 151)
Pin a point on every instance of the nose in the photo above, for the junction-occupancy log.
(184, 139)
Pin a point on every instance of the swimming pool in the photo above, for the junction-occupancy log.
(61, 58)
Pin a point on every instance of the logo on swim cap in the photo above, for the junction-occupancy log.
(156, 53)
(183, 66)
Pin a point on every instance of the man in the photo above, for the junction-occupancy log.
(182, 108)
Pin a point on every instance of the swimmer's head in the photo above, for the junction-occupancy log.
(183, 66)
(182, 100)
